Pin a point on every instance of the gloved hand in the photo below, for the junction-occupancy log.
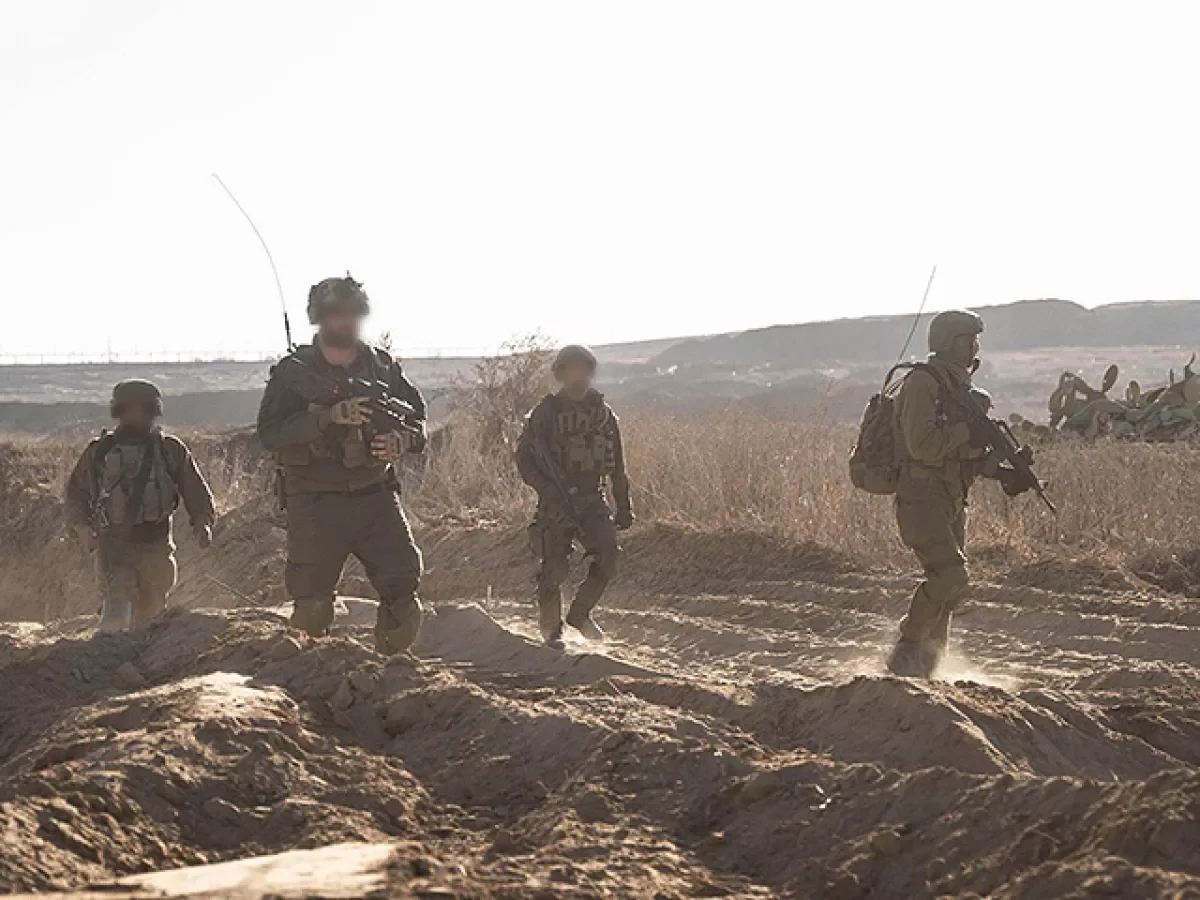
(1011, 481)
(204, 536)
(624, 519)
(393, 445)
(981, 437)
(353, 412)
(86, 537)
(389, 447)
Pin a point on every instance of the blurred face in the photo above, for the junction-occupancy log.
(136, 417)
(576, 378)
(966, 349)
(340, 328)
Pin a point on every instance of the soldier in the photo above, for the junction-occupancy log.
(941, 452)
(570, 447)
(340, 486)
(120, 499)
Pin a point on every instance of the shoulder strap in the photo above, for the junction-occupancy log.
(913, 367)
(138, 489)
(889, 379)
(104, 446)
(161, 441)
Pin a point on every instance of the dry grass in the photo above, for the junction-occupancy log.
(1128, 506)
(1120, 504)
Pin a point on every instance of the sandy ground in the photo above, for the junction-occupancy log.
(735, 737)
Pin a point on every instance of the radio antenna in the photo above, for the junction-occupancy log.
(920, 312)
(287, 324)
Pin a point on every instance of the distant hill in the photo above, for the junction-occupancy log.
(821, 369)
(1027, 325)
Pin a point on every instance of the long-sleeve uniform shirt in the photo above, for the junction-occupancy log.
(91, 476)
(318, 457)
(933, 439)
(580, 449)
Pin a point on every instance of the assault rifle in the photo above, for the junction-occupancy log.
(1005, 446)
(388, 414)
(550, 468)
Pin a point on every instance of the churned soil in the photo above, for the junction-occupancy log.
(736, 736)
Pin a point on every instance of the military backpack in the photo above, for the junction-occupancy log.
(874, 462)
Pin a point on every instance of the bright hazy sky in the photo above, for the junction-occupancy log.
(599, 171)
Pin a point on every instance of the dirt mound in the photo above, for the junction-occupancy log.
(493, 767)
(659, 558)
(1059, 575)
(1178, 573)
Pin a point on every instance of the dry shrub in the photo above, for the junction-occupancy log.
(469, 475)
(466, 479)
(502, 389)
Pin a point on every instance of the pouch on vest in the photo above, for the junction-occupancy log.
(585, 441)
(874, 463)
(118, 472)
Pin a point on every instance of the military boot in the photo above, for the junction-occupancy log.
(398, 624)
(930, 657)
(117, 614)
(579, 616)
(550, 618)
(906, 659)
(933, 650)
(581, 620)
(312, 615)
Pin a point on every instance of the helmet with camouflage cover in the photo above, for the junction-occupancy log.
(573, 353)
(341, 294)
(136, 391)
(946, 326)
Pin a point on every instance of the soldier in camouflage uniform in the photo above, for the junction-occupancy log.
(120, 499)
(340, 487)
(941, 453)
(569, 449)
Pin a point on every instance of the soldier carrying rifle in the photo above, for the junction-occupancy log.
(569, 449)
(945, 441)
(340, 415)
(926, 439)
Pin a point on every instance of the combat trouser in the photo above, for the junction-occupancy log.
(553, 538)
(932, 517)
(324, 528)
(135, 578)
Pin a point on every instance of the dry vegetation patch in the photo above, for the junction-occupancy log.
(1127, 508)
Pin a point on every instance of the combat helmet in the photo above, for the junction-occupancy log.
(336, 294)
(135, 391)
(946, 326)
(573, 353)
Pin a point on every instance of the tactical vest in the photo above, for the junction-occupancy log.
(339, 443)
(583, 437)
(947, 413)
(117, 467)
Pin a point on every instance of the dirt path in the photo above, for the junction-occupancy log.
(735, 737)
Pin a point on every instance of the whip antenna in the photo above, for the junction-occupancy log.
(287, 324)
(916, 321)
